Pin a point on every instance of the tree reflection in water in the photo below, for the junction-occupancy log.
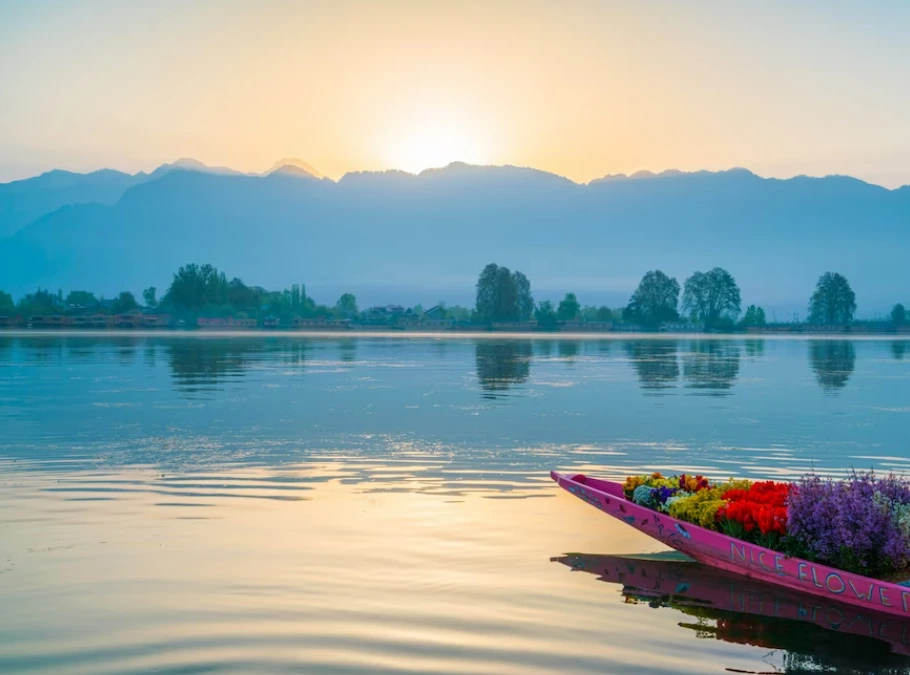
(347, 350)
(568, 349)
(203, 364)
(502, 365)
(711, 366)
(656, 363)
(755, 349)
(833, 362)
(898, 349)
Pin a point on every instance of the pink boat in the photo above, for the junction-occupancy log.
(741, 557)
(751, 611)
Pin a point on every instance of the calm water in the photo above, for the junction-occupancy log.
(279, 504)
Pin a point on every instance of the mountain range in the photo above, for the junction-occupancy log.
(394, 236)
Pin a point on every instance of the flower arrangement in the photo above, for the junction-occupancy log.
(757, 513)
(861, 524)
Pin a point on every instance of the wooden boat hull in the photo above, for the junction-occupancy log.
(737, 556)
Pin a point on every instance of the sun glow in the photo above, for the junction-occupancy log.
(433, 145)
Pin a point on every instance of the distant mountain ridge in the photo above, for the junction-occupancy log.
(401, 237)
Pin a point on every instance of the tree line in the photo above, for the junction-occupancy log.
(709, 299)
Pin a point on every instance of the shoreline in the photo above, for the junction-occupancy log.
(452, 335)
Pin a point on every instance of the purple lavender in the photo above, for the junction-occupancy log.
(841, 523)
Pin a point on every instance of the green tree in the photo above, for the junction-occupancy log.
(597, 314)
(545, 315)
(655, 300)
(898, 315)
(123, 303)
(82, 298)
(833, 302)
(503, 295)
(347, 305)
(525, 299)
(194, 286)
(150, 296)
(568, 308)
(40, 302)
(754, 316)
(7, 306)
(458, 313)
(713, 297)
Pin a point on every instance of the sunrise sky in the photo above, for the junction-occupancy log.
(582, 89)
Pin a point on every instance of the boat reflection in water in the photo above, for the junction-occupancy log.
(816, 635)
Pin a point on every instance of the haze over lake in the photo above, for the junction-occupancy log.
(279, 503)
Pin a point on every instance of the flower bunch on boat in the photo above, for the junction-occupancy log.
(861, 524)
(758, 512)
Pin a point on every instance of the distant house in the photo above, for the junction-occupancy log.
(156, 320)
(271, 322)
(51, 321)
(384, 314)
(229, 323)
(435, 313)
(131, 319)
(320, 324)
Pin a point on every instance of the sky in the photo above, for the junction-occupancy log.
(581, 89)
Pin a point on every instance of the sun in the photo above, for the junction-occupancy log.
(433, 144)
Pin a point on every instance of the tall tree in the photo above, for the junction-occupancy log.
(40, 302)
(195, 286)
(7, 306)
(503, 295)
(898, 315)
(347, 305)
(485, 305)
(545, 315)
(125, 302)
(150, 296)
(525, 299)
(833, 302)
(568, 308)
(655, 300)
(754, 316)
(712, 296)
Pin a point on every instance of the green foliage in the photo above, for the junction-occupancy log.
(150, 296)
(458, 313)
(569, 308)
(546, 315)
(7, 306)
(123, 303)
(590, 313)
(503, 295)
(655, 300)
(833, 302)
(754, 316)
(82, 298)
(712, 297)
(898, 315)
(347, 305)
(39, 303)
(194, 287)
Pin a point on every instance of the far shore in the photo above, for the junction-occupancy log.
(457, 335)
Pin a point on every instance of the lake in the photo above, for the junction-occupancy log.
(180, 503)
